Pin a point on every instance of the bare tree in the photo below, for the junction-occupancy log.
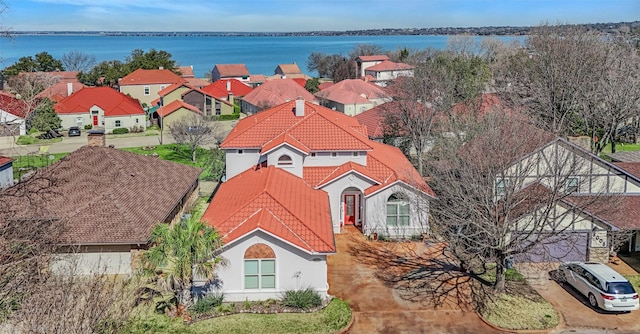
(504, 193)
(193, 131)
(78, 61)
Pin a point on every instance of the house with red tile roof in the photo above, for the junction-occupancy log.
(100, 107)
(173, 111)
(144, 85)
(272, 93)
(13, 113)
(107, 201)
(6, 172)
(386, 71)
(352, 96)
(230, 71)
(364, 62)
(190, 98)
(60, 90)
(306, 171)
(222, 89)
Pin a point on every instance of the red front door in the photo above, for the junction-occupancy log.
(95, 120)
(349, 209)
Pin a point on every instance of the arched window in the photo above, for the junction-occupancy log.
(259, 267)
(285, 161)
(397, 211)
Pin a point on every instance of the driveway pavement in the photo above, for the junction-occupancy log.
(576, 314)
(378, 308)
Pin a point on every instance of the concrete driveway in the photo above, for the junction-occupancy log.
(576, 314)
(379, 308)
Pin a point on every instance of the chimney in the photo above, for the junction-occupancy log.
(96, 138)
(228, 86)
(299, 107)
(69, 88)
(161, 68)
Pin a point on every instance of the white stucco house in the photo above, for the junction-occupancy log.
(296, 175)
(384, 72)
(13, 112)
(100, 107)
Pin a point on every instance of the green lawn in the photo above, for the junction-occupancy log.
(622, 147)
(25, 163)
(330, 319)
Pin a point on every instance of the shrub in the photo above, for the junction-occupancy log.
(231, 117)
(88, 127)
(207, 303)
(119, 131)
(136, 129)
(26, 140)
(513, 275)
(302, 299)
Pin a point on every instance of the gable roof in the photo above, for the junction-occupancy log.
(150, 77)
(277, 202)
(197, 83)
(372, 58)
(173, 87)
(287, 69)
(352, 91)
(108, 99)
(275, 92)
(176, 105)
(232, 70)
(218, 88)
(13, 105)
(186, 71)
(388, 65)
(374, 118)
(320, 129)
(109, 196)
(4, 160)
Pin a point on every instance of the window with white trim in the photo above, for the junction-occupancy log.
(397, 211)
(260, 274)
(147, 90)
(117, 123)
(572, 184)
(285, 161)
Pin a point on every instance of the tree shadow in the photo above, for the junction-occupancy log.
(422, 272)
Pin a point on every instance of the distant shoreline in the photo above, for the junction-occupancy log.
(479, 31)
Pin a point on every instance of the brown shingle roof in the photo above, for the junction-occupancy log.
(109, 196)
(232, 70)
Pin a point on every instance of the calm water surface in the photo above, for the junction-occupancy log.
(260, 54)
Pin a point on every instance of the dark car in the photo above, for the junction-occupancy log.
(74, 131)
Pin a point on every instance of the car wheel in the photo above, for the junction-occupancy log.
(593, 301)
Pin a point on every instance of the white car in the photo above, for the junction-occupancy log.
(603, 286)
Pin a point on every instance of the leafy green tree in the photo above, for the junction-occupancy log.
(106, 73)
(153, 59)
(312, 85)
(44, 117)
(43, 62)
(182, 251)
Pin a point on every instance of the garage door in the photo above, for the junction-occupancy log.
(564, 247)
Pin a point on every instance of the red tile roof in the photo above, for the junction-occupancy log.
(186, 72)
(60, 90)
(373, 58)
(352, 91)
(174, 106)
(173, 87)
(13, 105)
(324, 85)
(275, 92)
(320, 129)
(197, 83)
(108, 196)
(373, 119)
(151, 77)
(388, 65)
(277, 202)
(5, 160)
(218, 89)
(232, 70)
(111, 101)
(300, 81)
(482, 104)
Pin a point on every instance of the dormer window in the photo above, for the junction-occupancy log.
(285, 161)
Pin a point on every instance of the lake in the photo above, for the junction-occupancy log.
(261, 54)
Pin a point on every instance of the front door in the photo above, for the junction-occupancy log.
(95, 120)
(349, 209)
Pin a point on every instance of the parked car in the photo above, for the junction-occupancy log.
(604, 287)
(74, 131)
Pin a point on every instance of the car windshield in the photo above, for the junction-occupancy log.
(620, 288)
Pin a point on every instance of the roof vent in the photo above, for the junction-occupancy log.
(299, 107)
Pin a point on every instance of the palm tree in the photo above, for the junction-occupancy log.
(178, 253)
